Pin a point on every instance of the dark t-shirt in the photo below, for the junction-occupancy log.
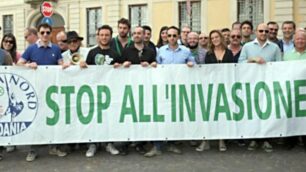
(227, 58)
(98, 56)
(116, 46)
(136, 56)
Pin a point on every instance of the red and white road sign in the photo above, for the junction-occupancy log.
(46, 9)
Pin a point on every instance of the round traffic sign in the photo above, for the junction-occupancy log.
(46, 9)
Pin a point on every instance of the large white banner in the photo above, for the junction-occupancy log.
(170, 102)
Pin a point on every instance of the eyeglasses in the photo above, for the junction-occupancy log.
(261, 31)
(273, 29)
(235, 36)
(9, 41)
(170, 35)
(43, 32)
(72, 41)
(64, 41)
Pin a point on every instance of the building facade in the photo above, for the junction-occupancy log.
(84, 16)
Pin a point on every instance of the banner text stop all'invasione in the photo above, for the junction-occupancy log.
(170, 102)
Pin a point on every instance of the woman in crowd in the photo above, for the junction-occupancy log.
(162, 40)
(217, 53)
(8, 43)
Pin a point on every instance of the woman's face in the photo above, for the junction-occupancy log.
(164, 35)
(7, 43)
(215, 39)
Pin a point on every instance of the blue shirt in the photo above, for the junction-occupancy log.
(181, 55)
(287, 47)
(269, 51)
(50, 55)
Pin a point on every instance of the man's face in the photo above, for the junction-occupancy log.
(74, 44)
(235, 37)
(226, 36)
(246, 30)
(262, 32)
(203, 39)
(288, 31)
(193, 40)
(104, 37)
(44, 34)
(184, 33)
(138, 35)
(123, 30)
(62, 41)
(147, 36)
(273, 30)
(172, 35)
(300, 40)
(30, 37)
(236, 26)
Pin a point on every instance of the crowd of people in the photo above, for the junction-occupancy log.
(174, 46)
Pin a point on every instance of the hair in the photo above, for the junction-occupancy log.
(236, 22)
(272, 22)
(32, 30)
(211, 46)
(160, 40)
(247, 22)
(44, 25)
(225, 30)
(14, 48)
(175, 28)
(124, 21)
(145, 27)
(107, 27)
(289, 22)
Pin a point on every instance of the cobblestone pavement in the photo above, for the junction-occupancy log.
(236, 159)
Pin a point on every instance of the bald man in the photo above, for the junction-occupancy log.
(197, 52)
(261, 50)
(61, 38)
(299, 51)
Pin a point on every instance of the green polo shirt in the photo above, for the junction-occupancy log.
(294, 55)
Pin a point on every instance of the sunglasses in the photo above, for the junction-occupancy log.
(261, 31)
(43, 32)
(9, 41)
(235, 36)
(273, 29)
(174, 36)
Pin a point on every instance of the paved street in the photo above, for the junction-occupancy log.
(236, 159)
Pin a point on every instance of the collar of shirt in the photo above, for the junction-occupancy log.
(177, 49)
(265, 44)
(289, 43)
(38, 43)
(294, 51)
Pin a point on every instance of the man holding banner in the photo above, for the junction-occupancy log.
(260, 51)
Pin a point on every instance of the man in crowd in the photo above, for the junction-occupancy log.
(30, 35)
(183, 37)
(235, 44)
(246, 28)
(173, 53)
(203, 41)
(122, 40)
(236, 25)
(43, 52)
(226, 34)
(147, 38)
(286, 44)
(260, 51)
(299, 51)
(75, 53)
(193, 44)
(273, 31)
(61, 38)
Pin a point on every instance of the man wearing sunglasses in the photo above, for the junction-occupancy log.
(260, 51)
(61, 39)
(43, 52)
(203, 41)
(273, 31)
(30, 35)
(235, 43)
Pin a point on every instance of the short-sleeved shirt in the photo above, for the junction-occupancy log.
(99, 56)
(181, 55)
(269, 51)
(83, 52)
(136, 56)
(294, 55)
(49, 55)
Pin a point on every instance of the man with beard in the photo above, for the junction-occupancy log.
(122, 40)
(273, 30)
(197, 52)
(286, 44)
(147, 38)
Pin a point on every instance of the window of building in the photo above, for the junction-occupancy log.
(138, 15)
(190, 15)
(252, 10)
(94, 21)
(8, 24)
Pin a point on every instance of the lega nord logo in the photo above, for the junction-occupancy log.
(18, 104)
